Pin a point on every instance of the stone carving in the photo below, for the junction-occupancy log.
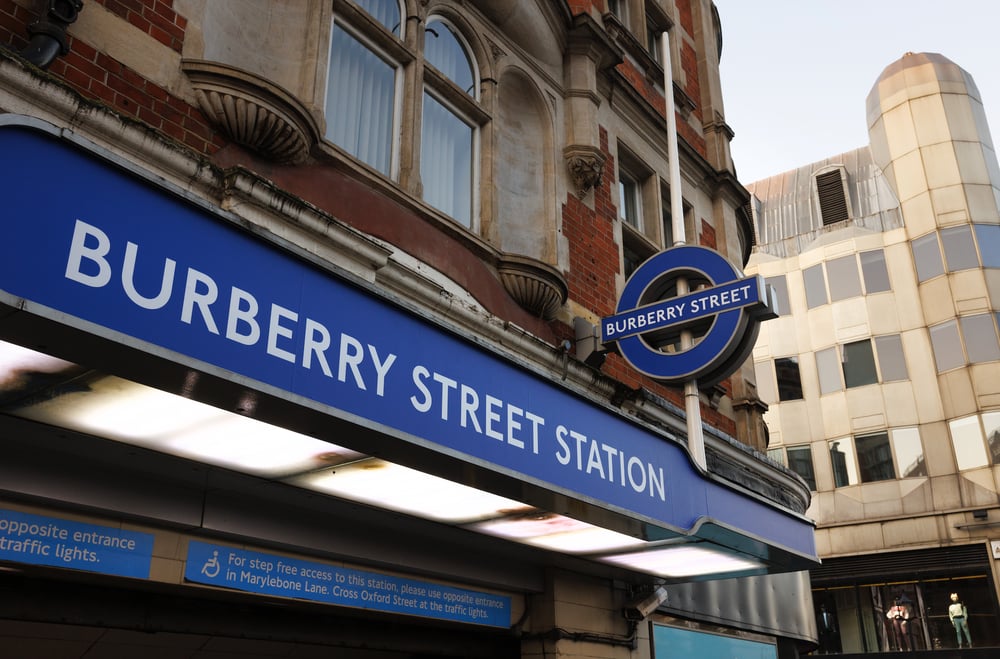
(585, 166)
(253, 111)
(536, 286)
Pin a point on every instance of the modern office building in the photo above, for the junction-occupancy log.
(882, 374)
(299, 309)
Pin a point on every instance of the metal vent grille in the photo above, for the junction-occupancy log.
(832, 201)
(886, 565)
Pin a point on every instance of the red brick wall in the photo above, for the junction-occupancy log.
(100, 78)
(156, 18)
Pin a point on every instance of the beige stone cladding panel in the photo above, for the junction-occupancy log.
(949, 204)
(823, 468)
(856, 539)
(817, 327)
(847, 505)
(941, 167)
(866, 409)
(836, 418)
(978, 487)
(971, 295)
(912, 531)
(957, 394)
(986, 383)
(882, 499)
(929, 120)
(916, 496)
(902, 274)
(947, 495)
(850, 319)
(918, 212)
(938, 454)
(921, 368)
(909, 173)
(936, 300)
(794, 422)
(901, 408)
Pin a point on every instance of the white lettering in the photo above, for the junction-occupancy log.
(316, 347)
(78, 251)
(470, 405)
(351, 355)
(238, 314)
(609, 463)
(419, 375)
(128, 281)
(203, 300)
(276, 329)
(381, 368)
(447, 384)
(492, 416)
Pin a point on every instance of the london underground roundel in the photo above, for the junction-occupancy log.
(722, 312)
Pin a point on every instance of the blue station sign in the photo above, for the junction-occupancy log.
(57, 542)
(273, 574)
(129, 260)
(651, 315)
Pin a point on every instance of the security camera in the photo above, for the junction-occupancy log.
(641, 608)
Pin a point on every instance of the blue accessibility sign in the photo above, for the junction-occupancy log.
(722, 312)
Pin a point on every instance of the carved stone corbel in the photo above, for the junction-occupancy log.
(585, 165)
(253, 111)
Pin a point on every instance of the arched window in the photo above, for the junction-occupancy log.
(362, 98)
(448, 143)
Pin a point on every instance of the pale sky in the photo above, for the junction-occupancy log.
(796, 73)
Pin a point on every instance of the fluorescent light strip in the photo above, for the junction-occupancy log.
(400, 488)
(558, 533)
(689, 560)
(136, 414)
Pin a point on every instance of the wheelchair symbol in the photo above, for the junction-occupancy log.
(211, 567)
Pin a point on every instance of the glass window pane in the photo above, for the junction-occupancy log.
(991, 422)
(988, 237)
(360, 101)
(445, 52)
(778, 455)
(828, 366)
(765, 382)
(891, 361)
(789, 382)
(845, 469)
(628, 198)
(815, 282)
(927, 257)
(874, 271)
(874, 458)
(859, 364)
(909, 453)
(980, 338)
(967, 438)
(385, 12)
(780, 293)
(446, 161)
(947, 346)
(959, 248)
(801, 462)
(842, 274)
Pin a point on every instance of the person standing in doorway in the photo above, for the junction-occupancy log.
(959, 616)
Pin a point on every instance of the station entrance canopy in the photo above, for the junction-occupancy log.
(187, 331)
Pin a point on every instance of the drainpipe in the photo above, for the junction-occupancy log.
(48, 35)
(692, 400)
